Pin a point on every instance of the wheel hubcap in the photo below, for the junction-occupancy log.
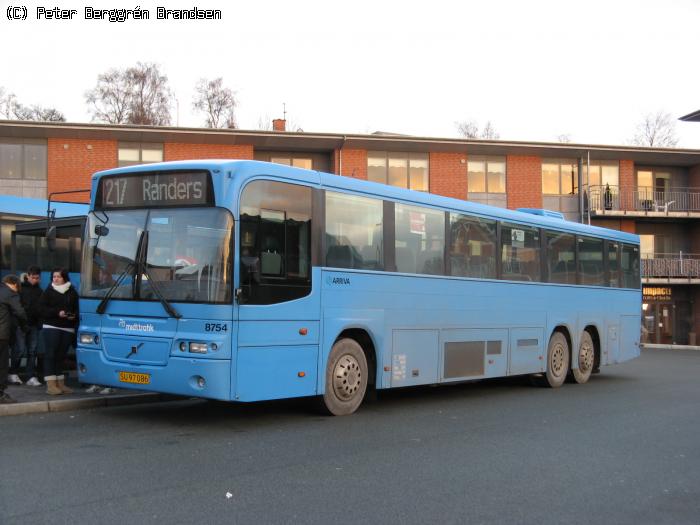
(347, 377)
(585, 358)
(557, 361)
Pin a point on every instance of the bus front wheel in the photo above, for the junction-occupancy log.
(558, 357)
(586, 359)
(346, 378)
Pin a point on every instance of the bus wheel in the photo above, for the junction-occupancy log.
(586, 358)
(557, 360)
(346, 378)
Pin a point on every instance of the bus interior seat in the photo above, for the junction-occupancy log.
(339, 257)
(405, 260)
(270, 256)
(430, 262)
(370, 257)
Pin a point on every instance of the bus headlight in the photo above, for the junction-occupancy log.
(88, 339)
(198, 348)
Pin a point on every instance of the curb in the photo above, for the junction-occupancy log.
(63, 405)
(650, 346)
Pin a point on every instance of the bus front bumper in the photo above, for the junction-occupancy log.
(207, 378)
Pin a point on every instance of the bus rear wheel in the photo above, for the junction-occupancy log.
(586, 359)
(346, 378)
(558, 358)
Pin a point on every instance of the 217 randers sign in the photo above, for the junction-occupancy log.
(155, 189)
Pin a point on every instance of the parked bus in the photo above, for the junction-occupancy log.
(247, 281)
(23, 236)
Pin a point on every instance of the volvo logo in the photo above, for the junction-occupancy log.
(134, 350)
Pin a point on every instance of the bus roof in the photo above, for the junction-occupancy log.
(247, 168)
(28, 207)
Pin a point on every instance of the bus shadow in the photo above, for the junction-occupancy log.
(195, 411)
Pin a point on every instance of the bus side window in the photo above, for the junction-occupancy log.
(420, 240)
(275, 242)
(631, 277)
(353, 232)
(520, 252)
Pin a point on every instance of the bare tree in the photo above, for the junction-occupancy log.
(564, 137)
(217, 102)
(38, 113)
(489, 132)
(470, 129)
(265, 122)
(150, 95)
(656, 130)
(12, 109)
(135, 95)
(110, 98)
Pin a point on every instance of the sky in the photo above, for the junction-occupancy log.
(536, 70)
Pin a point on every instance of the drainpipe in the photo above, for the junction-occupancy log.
(340, 156)
(580, 188)
(588, 185)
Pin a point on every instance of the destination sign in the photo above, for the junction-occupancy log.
(154, 190)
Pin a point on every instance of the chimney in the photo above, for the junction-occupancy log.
(279, 124)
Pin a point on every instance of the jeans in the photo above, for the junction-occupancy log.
(56, 343)
(26, 345)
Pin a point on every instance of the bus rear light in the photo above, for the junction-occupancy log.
(198, 348)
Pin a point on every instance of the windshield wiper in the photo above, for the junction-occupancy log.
(142, 266)
(127, 271)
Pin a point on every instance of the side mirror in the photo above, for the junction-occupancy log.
(101, 230)
(51, 238)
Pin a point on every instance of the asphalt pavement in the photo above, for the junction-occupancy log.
(621, 449)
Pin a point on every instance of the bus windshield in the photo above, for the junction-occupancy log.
(188, 255)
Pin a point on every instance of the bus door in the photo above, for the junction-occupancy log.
(277, 294)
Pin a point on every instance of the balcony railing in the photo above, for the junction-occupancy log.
(644, 199)
(671, 265)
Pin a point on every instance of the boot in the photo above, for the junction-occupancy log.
(62, 386)
(51, 386)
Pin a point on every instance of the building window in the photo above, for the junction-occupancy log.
(297, 162)
(486, 175)
(560, 177)
(604, 173)
(23, 159)
(405, 170)
(131, 153)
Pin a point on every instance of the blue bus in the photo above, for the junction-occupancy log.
(23, 232)
(248, 281)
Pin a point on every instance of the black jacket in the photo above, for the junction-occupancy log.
(11, 312)
(29, 295)
(52, 302)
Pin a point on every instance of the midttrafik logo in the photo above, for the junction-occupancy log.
(136, 327)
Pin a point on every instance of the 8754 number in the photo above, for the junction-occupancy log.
(215, 327)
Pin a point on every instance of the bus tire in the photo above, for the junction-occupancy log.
(346, 378)
(558, 357)
(586, 359)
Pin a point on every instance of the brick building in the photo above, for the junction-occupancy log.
(653, 192)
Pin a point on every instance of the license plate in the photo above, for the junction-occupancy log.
(132, 377)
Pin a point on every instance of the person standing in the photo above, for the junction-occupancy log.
(11, 313)
(27, 342)
(58, 308)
